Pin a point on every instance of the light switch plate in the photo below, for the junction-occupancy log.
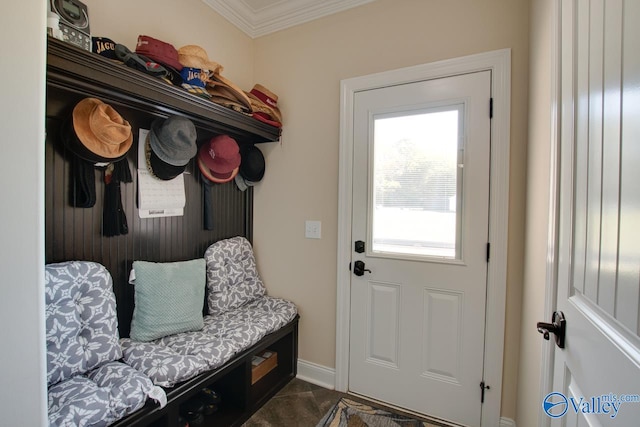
(312, 229)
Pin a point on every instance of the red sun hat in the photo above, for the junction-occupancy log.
(219, 159)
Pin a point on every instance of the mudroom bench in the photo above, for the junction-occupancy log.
(181, 364)
(239, 398)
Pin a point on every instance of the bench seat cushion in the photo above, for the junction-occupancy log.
(100, 397)
(177, 358)
(267, 314)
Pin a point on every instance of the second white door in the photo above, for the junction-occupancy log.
(420, 245)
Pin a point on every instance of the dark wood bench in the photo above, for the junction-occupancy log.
(232, 381)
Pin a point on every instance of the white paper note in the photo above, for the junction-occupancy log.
(156, 197)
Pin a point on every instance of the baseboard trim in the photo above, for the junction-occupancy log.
(325, 377)
(507, 422)
(316, 374)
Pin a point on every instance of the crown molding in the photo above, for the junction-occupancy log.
(256, 22)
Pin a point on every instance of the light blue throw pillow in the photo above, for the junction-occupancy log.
(168, 298)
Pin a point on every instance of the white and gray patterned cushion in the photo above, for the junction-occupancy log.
(267, 313)
(162, 364)
(173, 359)
(87, 387)
(232, 276)
(82, 328)
(103, 396)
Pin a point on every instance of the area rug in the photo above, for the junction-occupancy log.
(349, 413)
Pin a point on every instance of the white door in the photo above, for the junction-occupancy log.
(421, 207)
(597, 374)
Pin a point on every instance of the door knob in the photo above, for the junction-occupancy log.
(557, 327)
(358, 268)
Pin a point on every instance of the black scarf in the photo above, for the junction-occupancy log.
(114, 219)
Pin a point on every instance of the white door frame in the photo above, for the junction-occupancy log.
(499, 62)
(551, 274)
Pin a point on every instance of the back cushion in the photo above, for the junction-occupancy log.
(232, 276)
(82, 328)
(169, 298)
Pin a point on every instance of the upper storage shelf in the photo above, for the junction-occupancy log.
(75, 73)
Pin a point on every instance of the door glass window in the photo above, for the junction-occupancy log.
(416, 183)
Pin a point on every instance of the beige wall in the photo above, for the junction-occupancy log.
(538, 181)
(304, 66)
(179, 23)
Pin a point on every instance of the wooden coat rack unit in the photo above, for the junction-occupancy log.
(75, 233)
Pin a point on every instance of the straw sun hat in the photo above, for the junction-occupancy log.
(265, 105)
(196, 57)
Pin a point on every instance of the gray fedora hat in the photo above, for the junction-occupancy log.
(173, 140)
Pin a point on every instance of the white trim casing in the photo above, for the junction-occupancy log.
(551, 285)
(499, 62)
(316, 374)
(279, 14)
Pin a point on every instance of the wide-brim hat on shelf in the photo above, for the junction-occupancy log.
(219, 159)
(252, 167)
(172, 143)
(233, 90)
(265, 105)
(159, 51)
(97, 132)
(223, 96)
(195, 56)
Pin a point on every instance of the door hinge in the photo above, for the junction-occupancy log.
(483, 387)
(488, 251)
(491, 108)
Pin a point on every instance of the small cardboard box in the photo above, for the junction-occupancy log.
(262, 364)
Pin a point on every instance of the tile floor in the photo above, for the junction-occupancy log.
(299, 404)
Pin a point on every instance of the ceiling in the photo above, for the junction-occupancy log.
(260, 17)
